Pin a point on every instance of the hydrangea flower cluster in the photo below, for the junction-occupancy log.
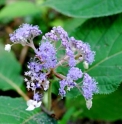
(73, 75)
(84, 49)
(47, 55)
(24, 34)
(37, 78)
(89, 86)
(44, 64)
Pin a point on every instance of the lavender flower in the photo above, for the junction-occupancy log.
(24, 33)
(89, 87)
(70, 84)
(74, 73)
(63, 84)
(37, 97)
(87, 53)
(56, 34)
(72, 62)
(37, 78)
(51, 36)
(47, 53)
(62, 92)
(45, 62)
(84, 49)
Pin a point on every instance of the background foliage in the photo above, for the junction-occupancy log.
(98, 22)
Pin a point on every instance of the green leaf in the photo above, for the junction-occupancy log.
(105, 37)
(9, 71)
(12, 111)
(73, 93)
(105, 107)
(71, 24)
(2, 2)
(86, 8)
(18, 9)
(55, 87)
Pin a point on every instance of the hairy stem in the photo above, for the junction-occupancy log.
(15, 86)
(60, 76)
(23, 55)
(79, 89)
(31, 44)
(45, 110)
(62, 61)
(66, 58)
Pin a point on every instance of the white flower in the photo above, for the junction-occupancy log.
(68, 88)
(8, 47)
(33, 104)
(45, 85)
(85, 65)
(89, 103)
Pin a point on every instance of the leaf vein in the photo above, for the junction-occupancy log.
(104, 60)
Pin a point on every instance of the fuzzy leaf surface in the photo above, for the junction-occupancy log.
(12, 111)
(9, 71)
(86, 9)
(105, 37)
(105, 107)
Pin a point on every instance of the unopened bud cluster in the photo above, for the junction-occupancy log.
(47, 59)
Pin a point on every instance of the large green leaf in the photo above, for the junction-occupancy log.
(18, 9)
(105, 107)
(86, 8)
(105, 37)
(75, 22)
(2, 2)
(9, 71)
(12, 111)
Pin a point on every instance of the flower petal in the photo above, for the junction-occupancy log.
(8, 47)
(30, 108)
(34, 103)
(38, 104)
(29, 102)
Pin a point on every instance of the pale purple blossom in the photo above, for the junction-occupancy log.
(71, 62)
(24, 33)
(74, 73)
(56, 34)
(46, 60)
(37, 97)
(63, 84)
(89, 86)
(84, 49)
(47, 53)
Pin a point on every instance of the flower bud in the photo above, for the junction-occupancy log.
(8, 47)
(85, 65)
(89, 103)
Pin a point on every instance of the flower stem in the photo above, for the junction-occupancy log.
(49, 97)
(15, 86)
(31, 44)
(60, 76)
